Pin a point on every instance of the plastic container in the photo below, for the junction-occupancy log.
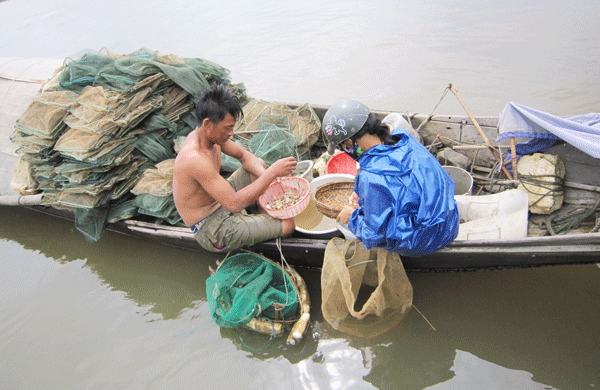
(343, 227)
(304, 170)
(297, 185)
(463, 181)
(341, 163)
(311, 222)
(493, 217)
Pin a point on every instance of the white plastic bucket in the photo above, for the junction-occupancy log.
(463, 181)
(493, 217)
(311, 222)
(304, 170)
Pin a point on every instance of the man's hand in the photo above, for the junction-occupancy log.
(283, 167)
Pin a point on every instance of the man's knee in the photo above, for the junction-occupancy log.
(288, 227)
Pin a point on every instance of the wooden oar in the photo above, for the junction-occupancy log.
(20, 200)
(487, 141)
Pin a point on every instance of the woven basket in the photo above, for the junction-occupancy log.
(330, 198)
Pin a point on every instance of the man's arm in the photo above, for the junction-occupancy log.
(221, 191)
(249, 161)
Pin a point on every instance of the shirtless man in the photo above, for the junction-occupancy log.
(213, 207)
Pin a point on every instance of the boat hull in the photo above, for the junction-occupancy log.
(457, 256)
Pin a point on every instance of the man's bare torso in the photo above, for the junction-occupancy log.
(193, 202)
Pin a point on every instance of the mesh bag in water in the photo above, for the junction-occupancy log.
(364, 292)
(248, 286)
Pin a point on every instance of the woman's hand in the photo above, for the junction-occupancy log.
(353, 200)
(344, 215)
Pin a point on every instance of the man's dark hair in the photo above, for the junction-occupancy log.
(216, 103)
(375, 127)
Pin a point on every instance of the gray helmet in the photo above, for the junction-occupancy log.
(342, 121)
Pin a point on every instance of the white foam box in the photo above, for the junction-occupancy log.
(541, 176)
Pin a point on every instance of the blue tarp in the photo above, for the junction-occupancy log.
(406, 199)
(536, 131)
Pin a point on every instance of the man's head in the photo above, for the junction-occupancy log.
(216, 103)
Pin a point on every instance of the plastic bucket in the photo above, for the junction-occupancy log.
(493, 217)
(343, 227)
(463, 181)
(304, 170)
(341, 163)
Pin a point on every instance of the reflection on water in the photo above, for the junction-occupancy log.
(166, 280)
(135, 311)
(472, 372)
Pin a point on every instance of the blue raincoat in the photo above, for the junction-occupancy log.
(406, 199)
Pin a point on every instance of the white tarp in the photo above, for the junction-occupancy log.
(524, 124)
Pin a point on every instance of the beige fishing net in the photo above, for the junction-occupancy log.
(364, 292)
(22, 181)
(101, 136)
(158, 181)
(261, 116)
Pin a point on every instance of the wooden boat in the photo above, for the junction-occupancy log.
(465, 134)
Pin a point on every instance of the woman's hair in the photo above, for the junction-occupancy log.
(375, 127)
(216, 103)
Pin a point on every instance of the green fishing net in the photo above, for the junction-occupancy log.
(272, 145)
(120, 73)
(247, 285)
(259, 116)
(106, 119)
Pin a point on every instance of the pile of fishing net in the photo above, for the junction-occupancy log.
(252, 291)
(100, 123)
(105, 126)
(272, 131)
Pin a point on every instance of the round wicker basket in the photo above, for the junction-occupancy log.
(330, 198)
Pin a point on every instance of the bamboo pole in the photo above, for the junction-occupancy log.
(20, 200)
(513, 152)
(299, 328)
(485, 138)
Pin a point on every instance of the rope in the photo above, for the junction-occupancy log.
(555, 188)
(557, 224)
(283, 263)
(260, 348)
(362, 262)
(432, 111)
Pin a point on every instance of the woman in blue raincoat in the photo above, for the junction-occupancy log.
(403, 199)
